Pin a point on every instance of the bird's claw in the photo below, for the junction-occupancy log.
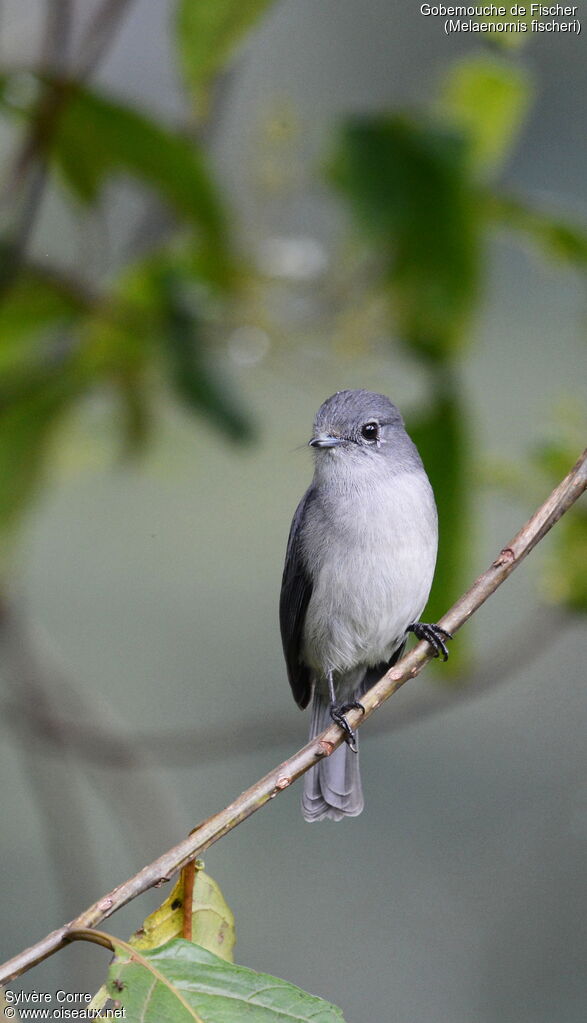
(433, 634)
(337, 713)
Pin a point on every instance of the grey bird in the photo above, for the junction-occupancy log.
(358, 570)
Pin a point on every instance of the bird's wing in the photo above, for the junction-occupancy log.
(296, 590)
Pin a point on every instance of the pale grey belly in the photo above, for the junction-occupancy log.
(362, 602)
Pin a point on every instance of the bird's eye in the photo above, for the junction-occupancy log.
(370, 431)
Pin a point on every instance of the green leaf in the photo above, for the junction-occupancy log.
(207, 34)
(28, 422)
(563, 558)
(509, 40)
(181, 982)
(408, 185)
(196, 382)
(558, 239)
(212, 918)
(488, 100)
(32, 307)
(564, 578)
(96, 137)
(440, 434)
(157, 315)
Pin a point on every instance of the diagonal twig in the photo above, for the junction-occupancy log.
(99, 34)
(97, 742)
(281, 777)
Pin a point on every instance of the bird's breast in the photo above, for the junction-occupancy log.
(370, 552)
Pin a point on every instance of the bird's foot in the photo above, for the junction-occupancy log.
(337, 713)
(433, 634)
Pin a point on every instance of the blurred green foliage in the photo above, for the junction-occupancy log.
(487, 100)
(563, 579)
(504, 41)
(197, 384)
(555, 238)
(61, 338)
(207, 34)
(565, 574)
(440, 434)
(28, 418)
(408, 183)
(96, 137)
(32, 310)
(424, 190)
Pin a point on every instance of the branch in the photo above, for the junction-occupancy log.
(280, 778)
(28, 177)
(100, 743)
(99, 35)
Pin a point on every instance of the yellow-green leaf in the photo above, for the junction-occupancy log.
(33, 307)
(488, 100)
(509, 39)
(408, 183)
(207, 34)
(212, 919)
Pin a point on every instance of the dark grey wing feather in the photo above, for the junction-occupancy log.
(296, 590)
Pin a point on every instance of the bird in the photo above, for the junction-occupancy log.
(359, 565)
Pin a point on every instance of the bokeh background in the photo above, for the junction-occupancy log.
(164, 344)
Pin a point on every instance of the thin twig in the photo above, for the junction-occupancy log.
(29, 175)
(57, 36)
(280, 778)
(28, 178)
(99, 35)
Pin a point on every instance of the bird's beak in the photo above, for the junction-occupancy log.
(323, 440)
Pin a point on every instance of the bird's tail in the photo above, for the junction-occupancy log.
(332, 789)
